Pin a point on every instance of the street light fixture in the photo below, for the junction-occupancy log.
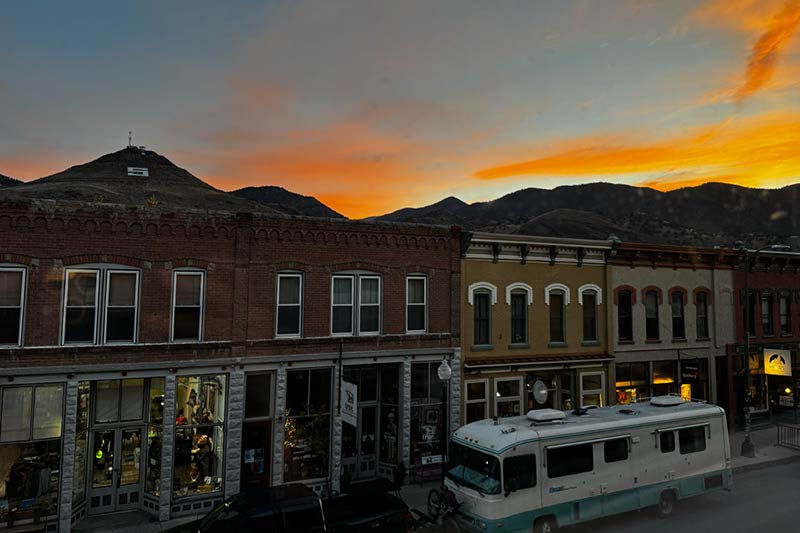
(748, 448)
(445, 373)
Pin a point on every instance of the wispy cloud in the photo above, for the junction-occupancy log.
(753, 151)
(765, 53)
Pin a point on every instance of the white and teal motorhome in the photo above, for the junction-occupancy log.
(553, 468)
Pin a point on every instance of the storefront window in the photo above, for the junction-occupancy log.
(549, 379)
(257, 432)
(694, 379)
(79, 470)
(476, 400)
(592, 389)
(155, 432)
(199, 437)
(426, 411)
(509, 397)
(664, 378)
(632, 382)
(307, 425)
(30, 458)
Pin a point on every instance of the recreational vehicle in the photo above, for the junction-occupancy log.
(553, 468)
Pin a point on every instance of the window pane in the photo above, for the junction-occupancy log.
(624, 316)
(289, 320)
(258, 395)
(343, 291)
(296, 392)
(519, 472)
(390, 384)
(132, 397)
(519, 333)
(81, 287)
(122, 289)
(10, 288)
(416, 290)
(589, 316)
(508, 388)
(343, 319)
(591, 381)
(556, 317)
(47, 411)
(107, 401)
(692, 440)
(569, 460)
(667, 441)
(481, 317)
(289, 290)
(368, 385)
(187, 323)
(419, 381)
(156, 400)
(476, 390)
(79, 326)
(120, 324)
(187, 289)
(615, 450)
(320, 391)
(370, 318)
(476, 411)
(370, 290)
(16, 415)
(9, 325)
(416, 317)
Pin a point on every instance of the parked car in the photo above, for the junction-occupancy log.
(296, 508)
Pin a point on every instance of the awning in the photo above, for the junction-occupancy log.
(537, 362)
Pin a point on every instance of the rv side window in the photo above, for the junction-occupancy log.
(519, 472)
(569, 460)
(667, 442)
(615, 450)
(692, 440)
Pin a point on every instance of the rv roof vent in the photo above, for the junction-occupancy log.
(545, 415)
(666, 401)
(506, 431)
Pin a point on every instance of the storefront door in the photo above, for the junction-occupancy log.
(368, 435)
(116, 480)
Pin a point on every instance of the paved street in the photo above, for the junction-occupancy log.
(762, 500)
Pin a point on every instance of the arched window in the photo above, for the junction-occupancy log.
(556, 296)
(519, 296)
(589, 297)
(482, 296)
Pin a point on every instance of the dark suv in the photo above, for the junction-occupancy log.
(286, 508)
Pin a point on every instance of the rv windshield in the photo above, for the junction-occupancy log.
(474, 469)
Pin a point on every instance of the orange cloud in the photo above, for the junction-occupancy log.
(742, 15)
(757, 151)
(761, 65)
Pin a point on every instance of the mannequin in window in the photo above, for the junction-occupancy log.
(180, 419)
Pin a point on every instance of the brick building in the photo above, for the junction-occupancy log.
(774, 327)
(162, 360)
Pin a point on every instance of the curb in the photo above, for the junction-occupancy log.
(765, 464)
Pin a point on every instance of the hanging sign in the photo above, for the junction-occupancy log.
(349, 403)
(778, 362)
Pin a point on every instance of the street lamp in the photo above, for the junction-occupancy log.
(748, 449)
(444, 372)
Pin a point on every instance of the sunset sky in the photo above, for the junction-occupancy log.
(371, 106)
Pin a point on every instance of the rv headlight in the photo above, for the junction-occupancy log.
(482, 525)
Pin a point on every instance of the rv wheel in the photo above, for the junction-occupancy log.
(666, 504)
(545, 525)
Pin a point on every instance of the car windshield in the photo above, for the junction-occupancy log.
(224, 514)
(474, 469)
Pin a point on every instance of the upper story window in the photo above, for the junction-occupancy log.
(557, 298)
(290, 305)
(519, 297)
(188, 299)
(416, 304)
(701, 314)
(751, 313)
(589, 297)
(356, 304)
(651, 315)
(625, 315)
(767, 324)
(12, 304)
(785, 309)
(482, 296)
(677, 299)
(100, 305)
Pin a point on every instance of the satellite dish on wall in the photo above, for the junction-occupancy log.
(540, 392)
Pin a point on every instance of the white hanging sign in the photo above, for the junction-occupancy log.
(349, 403)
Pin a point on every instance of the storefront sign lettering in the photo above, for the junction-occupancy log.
(778, 362)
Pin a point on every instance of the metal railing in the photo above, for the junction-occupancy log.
(789, 436)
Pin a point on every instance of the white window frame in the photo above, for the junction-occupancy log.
(107, 291)
(278, 305)
(590, 287)
(352, 304)
(23, 293)
(424, 304)
(553, 287)
(201, 328)
(484, 400)
(601, 391)
(519, 287)
(360, 304)
(481, 285)
(65, 292)
(508, 399)
(598, 293)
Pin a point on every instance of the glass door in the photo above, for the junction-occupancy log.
(116, 481)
